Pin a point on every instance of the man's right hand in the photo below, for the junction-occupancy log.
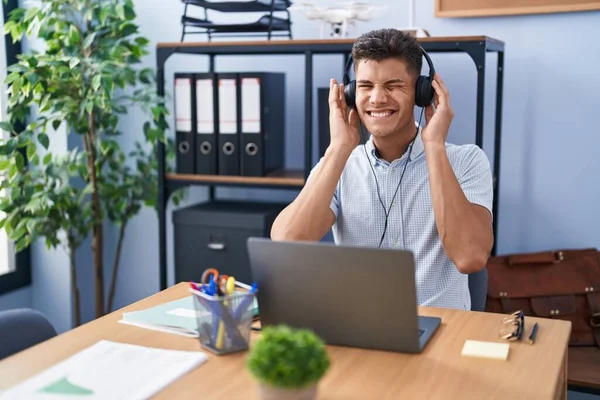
(343, 125)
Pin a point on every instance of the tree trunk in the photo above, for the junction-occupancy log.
(97, 234)
(74, 287)
(115, 270)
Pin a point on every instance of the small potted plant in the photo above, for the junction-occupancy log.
(288, 363)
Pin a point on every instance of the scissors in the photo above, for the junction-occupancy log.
(220, 280)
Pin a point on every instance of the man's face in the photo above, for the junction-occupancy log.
(385, 96)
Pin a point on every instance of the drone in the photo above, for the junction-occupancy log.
(339, 17)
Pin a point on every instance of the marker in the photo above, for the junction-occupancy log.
(533, 333)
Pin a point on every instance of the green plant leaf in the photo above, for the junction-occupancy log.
(89, 39)
(120, 10)
(96, 81)
(73, 62)
(44, 140)
(74, 36)
(31, 149)
(6, 125)
(19, 160)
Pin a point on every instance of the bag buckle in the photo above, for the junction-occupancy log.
(595, 320)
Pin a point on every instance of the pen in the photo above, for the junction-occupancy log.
(533, 333)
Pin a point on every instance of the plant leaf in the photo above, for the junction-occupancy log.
(6, 125)
(44, 140)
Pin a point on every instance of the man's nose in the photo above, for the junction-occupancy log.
(378, 95)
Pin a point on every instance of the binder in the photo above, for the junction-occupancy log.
(228, 127)
(184, 123)
(323, 120)
(262, 103)
(206, 125)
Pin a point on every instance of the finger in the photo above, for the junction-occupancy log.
(353, 118)
(342, 98)
(429, 111)
(439, 96)
(333, 93)
(441, 88)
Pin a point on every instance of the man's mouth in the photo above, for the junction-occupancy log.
(381, 113)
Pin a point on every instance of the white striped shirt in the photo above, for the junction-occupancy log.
(360, 216)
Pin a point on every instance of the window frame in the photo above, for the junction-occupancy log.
(21, 275)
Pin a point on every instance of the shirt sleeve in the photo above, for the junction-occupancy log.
(475, 178)
(334, 205)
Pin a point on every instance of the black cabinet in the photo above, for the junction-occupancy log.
(214, 234)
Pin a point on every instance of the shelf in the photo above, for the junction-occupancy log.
(286, 178)
(298, 46)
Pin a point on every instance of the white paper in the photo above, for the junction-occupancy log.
(186, 312)
(165, 329)
(109, 370)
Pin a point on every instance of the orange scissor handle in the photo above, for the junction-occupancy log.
(207, 273)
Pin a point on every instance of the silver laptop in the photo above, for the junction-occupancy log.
(349, 296)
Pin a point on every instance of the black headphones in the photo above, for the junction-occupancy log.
(423, 89)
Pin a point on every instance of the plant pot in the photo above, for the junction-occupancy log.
(275, 393)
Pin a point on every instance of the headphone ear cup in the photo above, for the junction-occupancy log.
(423, 91)
(350, 94)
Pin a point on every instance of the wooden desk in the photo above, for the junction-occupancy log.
(532, 371)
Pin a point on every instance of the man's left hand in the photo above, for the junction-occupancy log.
(438, 121)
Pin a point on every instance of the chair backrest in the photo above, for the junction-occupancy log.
(21, 329)
(478, 283)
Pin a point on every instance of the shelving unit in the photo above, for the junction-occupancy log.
(267, 24)
(477, 47)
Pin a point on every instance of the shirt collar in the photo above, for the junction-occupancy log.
(417, 149)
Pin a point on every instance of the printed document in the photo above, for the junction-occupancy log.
(111, 371)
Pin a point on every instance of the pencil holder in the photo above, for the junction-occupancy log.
(224, 323)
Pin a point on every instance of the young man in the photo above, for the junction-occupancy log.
(406, 188)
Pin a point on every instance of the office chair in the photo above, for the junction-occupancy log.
(21, 329)
(478, 283)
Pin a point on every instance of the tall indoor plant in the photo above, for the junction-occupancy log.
(88, 75)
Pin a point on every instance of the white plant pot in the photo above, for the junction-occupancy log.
(275, 393)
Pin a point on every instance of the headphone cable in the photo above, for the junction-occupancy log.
(387, 211)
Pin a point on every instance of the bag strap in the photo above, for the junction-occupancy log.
(546, 257)
(594, 303)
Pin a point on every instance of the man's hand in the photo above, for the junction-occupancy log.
(343, 125)
(438, 121)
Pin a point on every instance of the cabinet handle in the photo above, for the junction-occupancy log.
(216, 246)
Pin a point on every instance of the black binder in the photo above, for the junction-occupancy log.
(262, 103)
(184, 122)
(228, 93)
(206, 123)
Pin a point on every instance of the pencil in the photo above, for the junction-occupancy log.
(533, 333)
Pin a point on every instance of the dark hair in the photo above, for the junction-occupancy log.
(381, 44)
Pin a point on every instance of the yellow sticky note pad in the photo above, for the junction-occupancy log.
(480, 349)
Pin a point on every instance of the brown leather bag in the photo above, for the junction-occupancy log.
(559, 284)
